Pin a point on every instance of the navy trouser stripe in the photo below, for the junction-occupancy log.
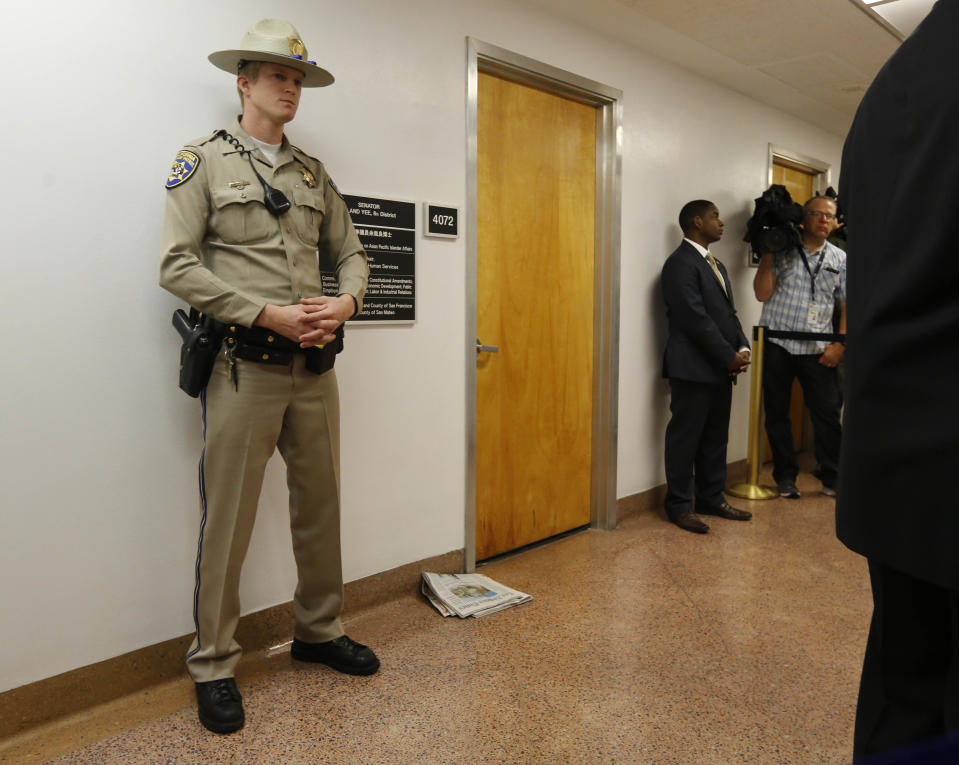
(199, 547)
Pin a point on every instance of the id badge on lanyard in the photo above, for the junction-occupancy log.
(813, 273)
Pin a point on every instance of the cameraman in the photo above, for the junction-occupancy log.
(799, 290)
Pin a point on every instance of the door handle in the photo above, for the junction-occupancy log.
(480, 348)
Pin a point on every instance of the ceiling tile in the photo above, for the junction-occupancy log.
(811, 58)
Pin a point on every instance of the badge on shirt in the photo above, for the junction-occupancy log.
(308, 178)
(184, 165)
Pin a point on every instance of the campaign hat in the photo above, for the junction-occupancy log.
(275, 41)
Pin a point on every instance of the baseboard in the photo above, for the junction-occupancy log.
(651, 500)
(54, 697)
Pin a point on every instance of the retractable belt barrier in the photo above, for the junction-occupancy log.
(783, 334)
(751, 488)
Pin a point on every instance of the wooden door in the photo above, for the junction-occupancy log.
(799, 183)
(536, 170)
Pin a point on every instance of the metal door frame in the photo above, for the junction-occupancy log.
(483, 57)
(821, 171)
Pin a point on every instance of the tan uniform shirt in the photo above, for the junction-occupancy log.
(227, 256)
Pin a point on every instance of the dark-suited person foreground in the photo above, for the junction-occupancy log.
(705, 350)
(900, 451)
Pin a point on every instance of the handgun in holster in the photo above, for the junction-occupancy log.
(202, 336)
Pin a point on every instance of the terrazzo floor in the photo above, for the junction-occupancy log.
(647, 644)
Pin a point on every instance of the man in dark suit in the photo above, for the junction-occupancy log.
(900, 451)
(705, 351)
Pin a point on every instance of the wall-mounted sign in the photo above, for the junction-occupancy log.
(441, 221)
(387, 231)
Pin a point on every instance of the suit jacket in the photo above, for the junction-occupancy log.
(900, 174)
(704, 331)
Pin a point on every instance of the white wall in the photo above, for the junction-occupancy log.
(98, 457)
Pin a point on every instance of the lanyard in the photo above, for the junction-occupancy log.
(813, 274)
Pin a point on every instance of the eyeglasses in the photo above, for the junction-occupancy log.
(823, 215)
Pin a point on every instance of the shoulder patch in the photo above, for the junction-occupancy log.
(336, 190)
(184, 165)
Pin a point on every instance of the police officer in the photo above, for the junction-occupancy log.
(247, 214)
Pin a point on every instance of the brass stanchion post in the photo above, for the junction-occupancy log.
(751, 488)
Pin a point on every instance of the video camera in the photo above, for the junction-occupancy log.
(774, 226)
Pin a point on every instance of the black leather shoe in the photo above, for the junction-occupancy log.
(220, 705)
(689, 522)
(342, 654)
(725, 510)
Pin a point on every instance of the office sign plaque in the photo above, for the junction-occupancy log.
(440, 221)
(387, 231)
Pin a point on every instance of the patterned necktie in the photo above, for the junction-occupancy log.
(712, 264)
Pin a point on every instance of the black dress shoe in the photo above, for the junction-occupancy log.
(690, 522)
(725, 510)
(220, 705)
(342, 654)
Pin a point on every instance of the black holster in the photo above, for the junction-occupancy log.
(320, 360)
(202, 337)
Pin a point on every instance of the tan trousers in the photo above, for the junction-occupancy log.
(289, 408)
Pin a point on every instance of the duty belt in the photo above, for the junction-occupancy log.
(264, 346)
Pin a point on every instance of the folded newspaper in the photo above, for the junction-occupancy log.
(469, 594)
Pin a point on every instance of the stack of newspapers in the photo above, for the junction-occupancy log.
(469, 594)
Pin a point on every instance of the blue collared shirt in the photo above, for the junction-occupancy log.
(794, 306)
